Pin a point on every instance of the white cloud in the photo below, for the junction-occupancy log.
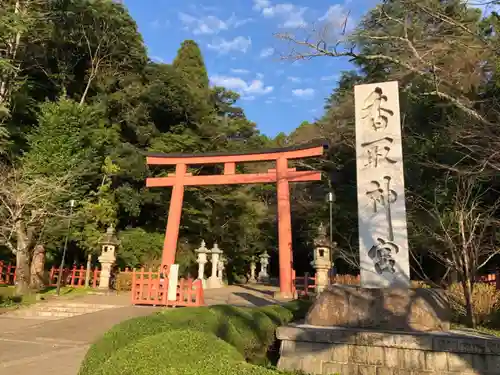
(294, 79)
(210, 24)
(248, 97)
(246, 89)
(291, 15)
(239, 44)
(303, 93)
(240, 71)
(337, 18)
(261, 4)
(266, 52)
(260, 76)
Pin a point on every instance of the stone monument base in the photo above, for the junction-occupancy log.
(283, 296)
(351, 351)
(418, 309)
(214, 283)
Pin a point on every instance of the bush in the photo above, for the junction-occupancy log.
(346, 279)
(123, 281)
(419, 284)
(249, 330)
(485, 300)
(179, 352)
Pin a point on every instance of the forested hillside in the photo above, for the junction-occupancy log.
(81, 102)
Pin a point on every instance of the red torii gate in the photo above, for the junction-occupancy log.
(282, 175)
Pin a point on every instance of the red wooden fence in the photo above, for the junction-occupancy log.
(303, 286)
(151, 288)
(306, 285)
(74, 277)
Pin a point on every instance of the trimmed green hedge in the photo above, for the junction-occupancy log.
(179, 352)
(204, 334)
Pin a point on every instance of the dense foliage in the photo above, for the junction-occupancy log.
(80, 104)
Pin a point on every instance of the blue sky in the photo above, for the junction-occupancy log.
(242, 54)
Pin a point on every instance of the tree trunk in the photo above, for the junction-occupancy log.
(37, 277)
(469, 305)
(22, 260)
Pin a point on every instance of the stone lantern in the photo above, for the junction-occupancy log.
(253, 267)
(322, 259)
(221, 267)
(109, 242)
(213, 280)
(264, 264)
(202, 252)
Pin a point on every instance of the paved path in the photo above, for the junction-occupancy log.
(34, 346)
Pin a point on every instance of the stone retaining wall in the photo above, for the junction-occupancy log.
(348, 351)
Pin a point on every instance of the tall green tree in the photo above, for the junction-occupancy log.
(189, 61)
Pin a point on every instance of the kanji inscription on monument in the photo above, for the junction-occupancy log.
(383, 238)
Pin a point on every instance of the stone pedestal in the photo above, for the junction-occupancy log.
(322, 262)
(264, 264)
(336, 350)
(108, 242)
(417, 309)
(253, 267)
(105, 274)
(213, 281)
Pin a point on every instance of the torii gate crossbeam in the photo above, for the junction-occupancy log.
(282, 175)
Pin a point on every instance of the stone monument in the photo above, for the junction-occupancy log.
(382, 326)
(201, 259)
(264, 263)
(173, 282)
(213, 281)
(321, 262)
(383, 239)
(109, 242)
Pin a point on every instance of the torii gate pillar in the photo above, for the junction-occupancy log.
(282, 176)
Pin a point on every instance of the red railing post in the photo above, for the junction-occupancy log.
(81, 276)
(11, 279)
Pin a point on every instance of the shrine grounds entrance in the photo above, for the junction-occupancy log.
(282, 175)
